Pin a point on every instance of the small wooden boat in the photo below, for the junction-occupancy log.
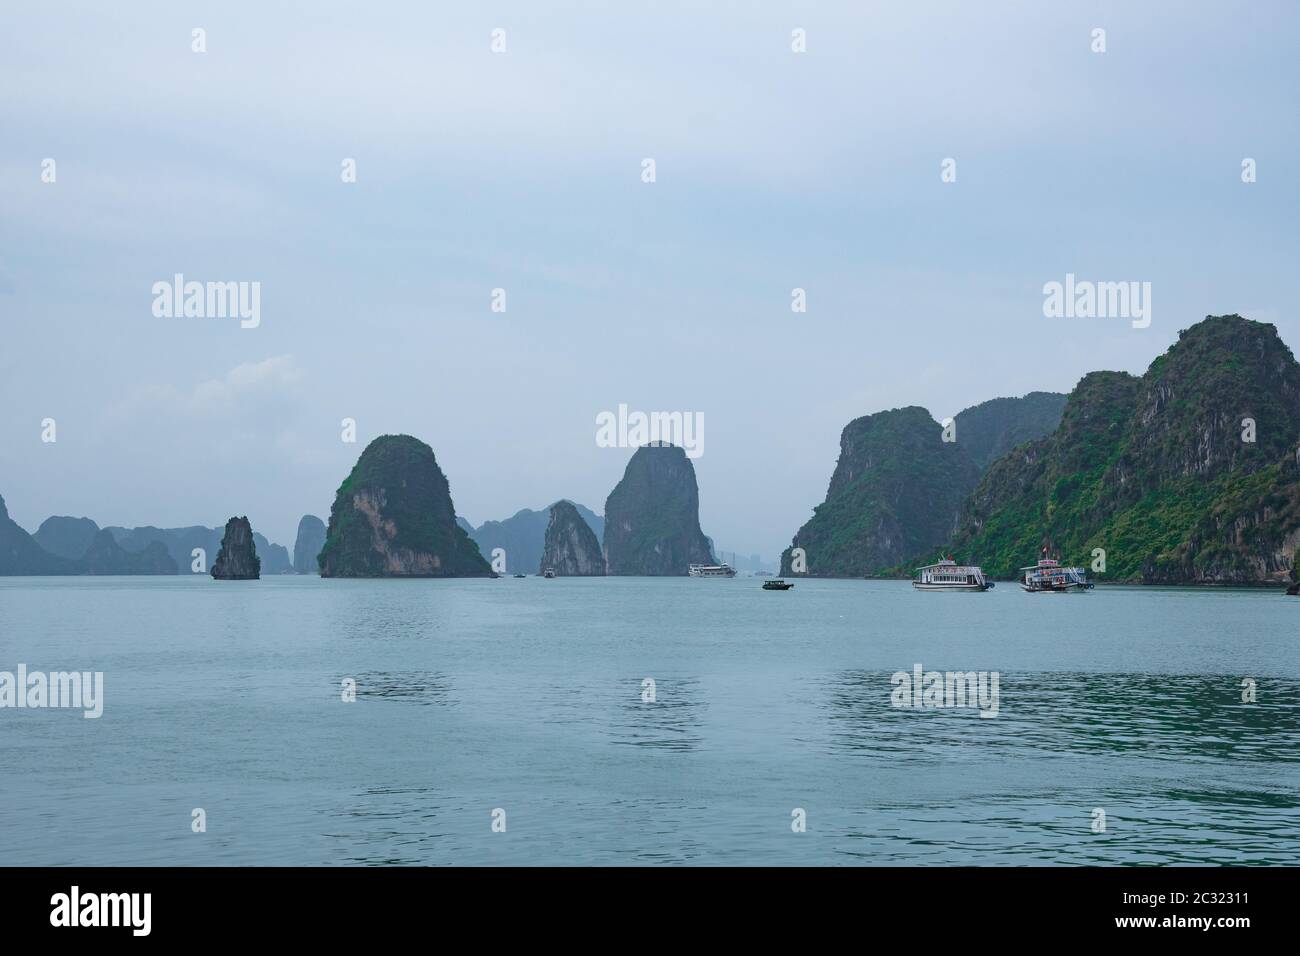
(776, 584)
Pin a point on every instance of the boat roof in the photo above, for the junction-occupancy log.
(947, 564)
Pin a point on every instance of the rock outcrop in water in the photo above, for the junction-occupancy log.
(652, 517)
(570, 547)
(896, 491)
(1187, 474)
(237, 560)
(393, 517)
(523, 535)
(307, 546)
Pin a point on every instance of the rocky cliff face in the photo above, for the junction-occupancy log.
(652, 517)
(237, 560)
(896, 492)
(393, 517)
(308, 544)
(1158, 471)
(570, 546)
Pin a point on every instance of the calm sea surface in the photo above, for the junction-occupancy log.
(526, 695)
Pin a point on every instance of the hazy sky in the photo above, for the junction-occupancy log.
(522, 170)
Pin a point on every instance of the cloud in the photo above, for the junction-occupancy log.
(249, 380)
(270, 381)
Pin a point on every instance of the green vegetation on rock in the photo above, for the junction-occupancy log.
(1156, 470)
(896, 491)
(991, 429)
(898, 487)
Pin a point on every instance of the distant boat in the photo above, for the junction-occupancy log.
(549, 573)
(948, 575)
(776, 584)
(711, 571)
(521, 575)
(1048, 575)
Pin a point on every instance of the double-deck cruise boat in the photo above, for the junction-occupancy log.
(1048, 575)
(948, 575)
(711, 571)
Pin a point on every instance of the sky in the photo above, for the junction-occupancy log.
(522, 170)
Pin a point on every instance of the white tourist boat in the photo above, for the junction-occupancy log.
(1049, 575)
(948, 575)
(723, 570)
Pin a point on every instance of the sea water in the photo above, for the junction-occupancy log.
(646, 721)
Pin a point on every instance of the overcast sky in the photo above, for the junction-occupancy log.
(522, 170)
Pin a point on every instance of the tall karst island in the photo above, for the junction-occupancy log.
(570, 548)
(237, 558)
(393, 517)
(896, 490)
(306, 547)
(652, 517)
